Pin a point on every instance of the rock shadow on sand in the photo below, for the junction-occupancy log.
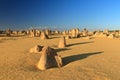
(79, 43)
(61, 49)
(72, 58)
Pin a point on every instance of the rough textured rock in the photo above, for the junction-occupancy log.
(48, 59)
(62, 42)
(85, 32)
(37, 33)
(111, 36)
(8, 32)
(67, 37)
(43, 35)
(32, 33)
(36, 49)
(48, 32)
(73, 32)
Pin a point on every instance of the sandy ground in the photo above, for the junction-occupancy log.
(94, 59)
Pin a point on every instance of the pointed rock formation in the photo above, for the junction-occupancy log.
(77, 32)
(37, 33)
(15, 32)
(103, 35)
(73, 32)
(48, 59)
(43, 35)
(36, 49)
(57, 32)
(48, 31)
(67, 37)
(32, 33)
(85, 32)
(111, 36)
(8, 32)
(64, 32)
(106, 31)
(62, 42)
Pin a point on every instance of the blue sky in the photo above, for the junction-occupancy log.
(60, 14)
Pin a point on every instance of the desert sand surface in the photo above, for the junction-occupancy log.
(84, 59)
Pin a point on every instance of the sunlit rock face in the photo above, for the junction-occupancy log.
(36, 49)
(62, 42)
(44, 35)
(48, 59)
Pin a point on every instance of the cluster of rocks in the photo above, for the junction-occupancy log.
(107, 34)
(71, 33)
(49, 57)
(43, 34)
(76, 33)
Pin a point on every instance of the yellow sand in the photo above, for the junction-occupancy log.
(94, 59)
